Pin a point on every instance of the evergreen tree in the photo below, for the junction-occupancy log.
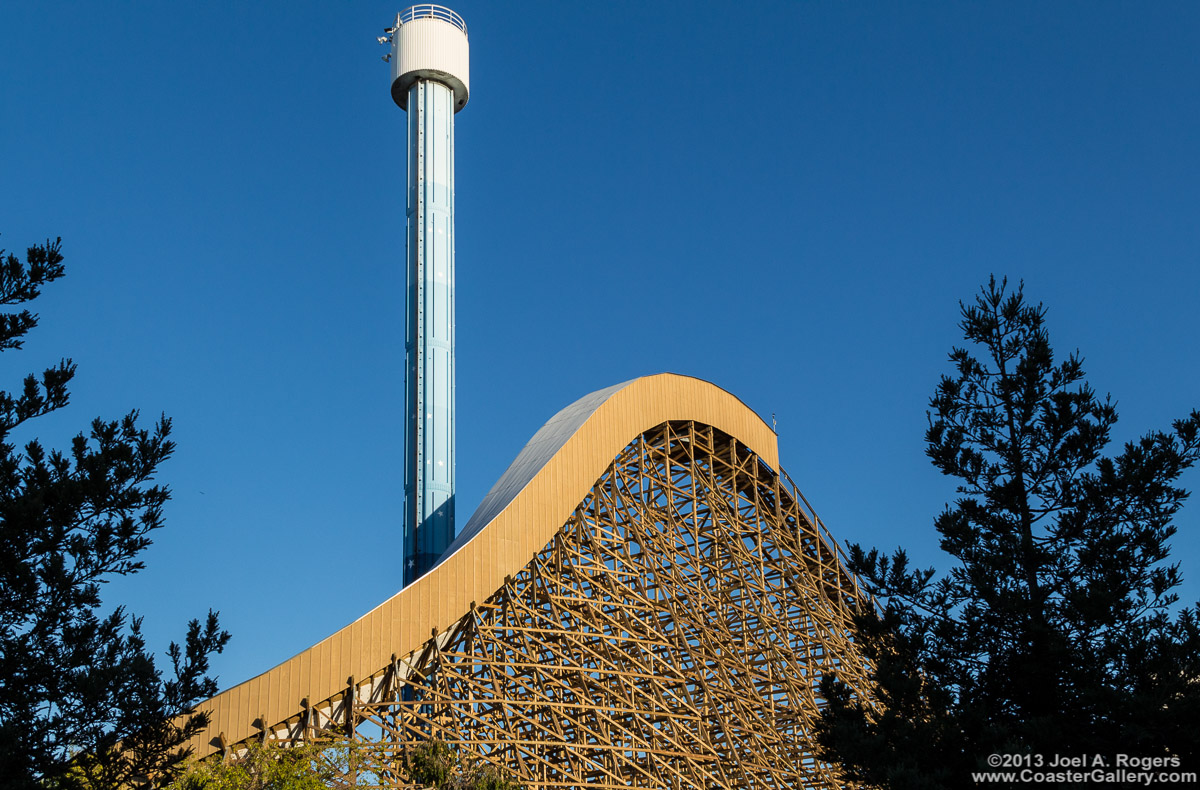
(82, 703)
(1056, 630)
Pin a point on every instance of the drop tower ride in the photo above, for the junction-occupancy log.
(430, 79)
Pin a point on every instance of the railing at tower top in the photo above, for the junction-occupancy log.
(432, 11)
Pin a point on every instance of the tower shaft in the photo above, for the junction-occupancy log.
(430, 60)
(429, 315)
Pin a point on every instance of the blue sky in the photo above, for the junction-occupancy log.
(786, 199)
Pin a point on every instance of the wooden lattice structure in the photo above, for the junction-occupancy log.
(669, 633)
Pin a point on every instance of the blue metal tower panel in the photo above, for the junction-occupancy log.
(429, 342)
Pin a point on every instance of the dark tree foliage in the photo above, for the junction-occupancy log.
(1056, 630)
(436, 765)
(82, 703)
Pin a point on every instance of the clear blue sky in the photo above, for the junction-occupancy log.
(787, 199)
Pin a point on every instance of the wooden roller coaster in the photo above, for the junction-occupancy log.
(644, 599)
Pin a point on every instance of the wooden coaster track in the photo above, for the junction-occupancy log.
(668, 632)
